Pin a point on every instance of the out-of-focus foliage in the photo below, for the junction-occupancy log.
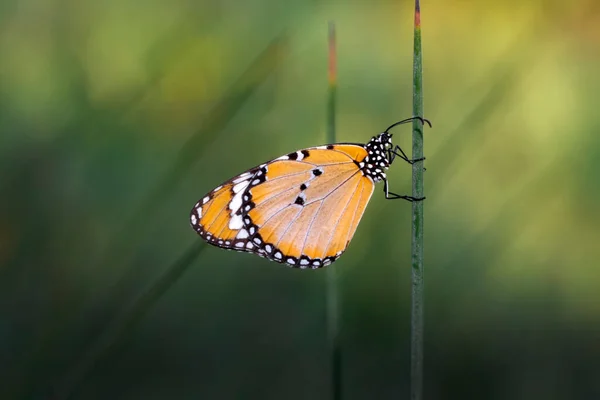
(97, 100)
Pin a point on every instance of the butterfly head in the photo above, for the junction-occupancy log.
(381, 141)
(385, 138)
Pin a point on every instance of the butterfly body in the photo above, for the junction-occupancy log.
(302, 208)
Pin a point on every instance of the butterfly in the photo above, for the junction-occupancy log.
(302, 208)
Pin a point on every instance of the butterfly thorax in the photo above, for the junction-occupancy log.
(376, 161)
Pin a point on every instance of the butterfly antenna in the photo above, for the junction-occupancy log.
(404, 121)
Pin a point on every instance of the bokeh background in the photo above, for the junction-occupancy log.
(117, 116)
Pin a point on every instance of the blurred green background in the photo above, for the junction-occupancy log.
(117, 116)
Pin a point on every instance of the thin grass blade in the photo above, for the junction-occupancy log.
(416, 322)
(333, 298)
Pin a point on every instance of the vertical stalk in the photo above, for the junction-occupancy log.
(416, 322)
(333, 305)
(332, 75)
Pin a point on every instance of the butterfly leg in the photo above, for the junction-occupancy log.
(392, 196)
(392, 155)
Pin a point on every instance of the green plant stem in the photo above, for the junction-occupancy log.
(333, 303)
(416, 322)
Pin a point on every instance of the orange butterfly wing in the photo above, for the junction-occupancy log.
(302, 209)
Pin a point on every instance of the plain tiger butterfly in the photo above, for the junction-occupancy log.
(301, 208)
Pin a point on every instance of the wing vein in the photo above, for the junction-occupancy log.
(334, 189)
(207, 227)
(311, 224)
(325, 165)
(355, 210)
(303, 172)
(344, 153)
(333, 232)
(275, 214)
(275, 195)
(288, 227)
(284, 176)
(317, 213)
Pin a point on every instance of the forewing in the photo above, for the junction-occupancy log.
(302, 208)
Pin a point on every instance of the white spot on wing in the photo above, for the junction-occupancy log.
(304, 262)
(235, 204)
(322, 147)
(299, 155)
(236, 201)
(236, 223)
(241, 178)
(238, 187)
(199, 211)
(193, 219)
(242, 234)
